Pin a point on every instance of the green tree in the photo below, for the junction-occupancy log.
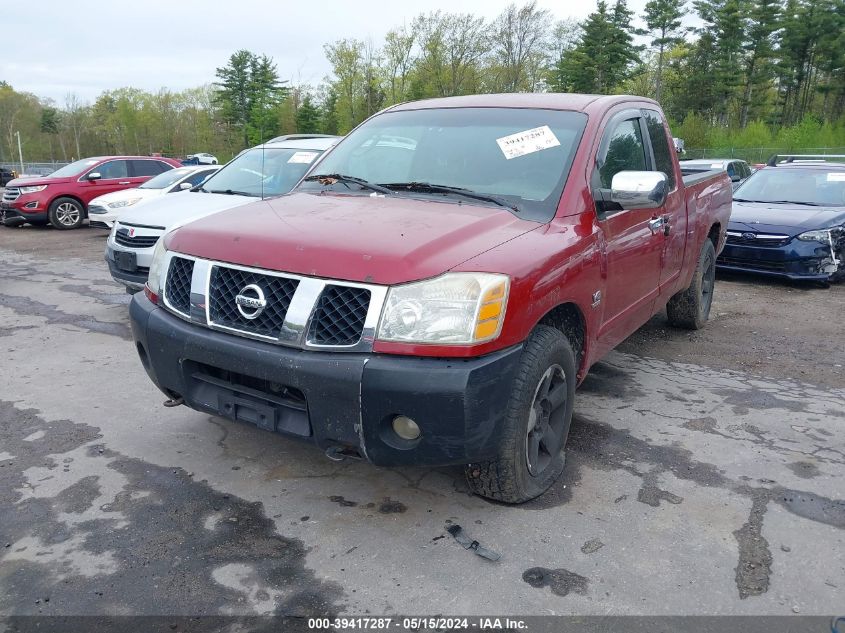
(249, 92)
(520, 46)
(307, 116)
(762, 20)
(604, 54)
(663, 22)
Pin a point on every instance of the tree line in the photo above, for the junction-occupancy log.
(755, 73)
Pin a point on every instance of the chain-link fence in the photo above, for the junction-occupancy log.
(32, 169)
(755, 154)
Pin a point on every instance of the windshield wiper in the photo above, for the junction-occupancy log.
(232, 192)
(330, 179)
(427, 187)
(808, 204)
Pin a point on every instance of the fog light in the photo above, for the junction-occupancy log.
(406, 428)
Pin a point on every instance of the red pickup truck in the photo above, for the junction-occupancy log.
(436, 287)
(62, 198)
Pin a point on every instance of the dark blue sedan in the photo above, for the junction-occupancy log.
(788, 220)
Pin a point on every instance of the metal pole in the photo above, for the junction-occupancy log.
(20, 153)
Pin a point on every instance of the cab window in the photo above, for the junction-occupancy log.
(625, 151)
(660, 145)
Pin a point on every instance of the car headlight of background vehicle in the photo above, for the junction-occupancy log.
(154, 278)
(455, 308)
(119, 204)
(33, 189)
(820, 235)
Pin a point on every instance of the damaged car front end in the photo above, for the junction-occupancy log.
(789, 221)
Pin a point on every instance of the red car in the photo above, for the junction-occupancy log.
(62, 197)
(439, 283)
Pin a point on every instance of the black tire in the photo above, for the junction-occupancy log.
(511, 477)
(690, 308)
(66, 214)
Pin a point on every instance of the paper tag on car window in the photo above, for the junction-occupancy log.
(527, 142)
(303, 157)
(833, 176)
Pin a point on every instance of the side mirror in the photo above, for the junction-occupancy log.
(185, 185)
(94, 175)
(639, 189)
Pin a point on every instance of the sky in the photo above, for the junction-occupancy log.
(85, 47)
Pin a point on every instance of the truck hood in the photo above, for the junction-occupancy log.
(31, 181)
(788, 219)
(180, 208)
(382, 240)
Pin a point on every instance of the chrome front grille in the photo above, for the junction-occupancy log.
(178, 289)
(752, 238)
(10, 194)
(339, 317)
(227, 283)
(281, 308)
(122, 237)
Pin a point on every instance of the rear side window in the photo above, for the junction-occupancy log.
(660, 145)
(625, 151)
(143, 168)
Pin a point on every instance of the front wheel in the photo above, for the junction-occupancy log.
(530, 453)
(690, 308)
(66, 213)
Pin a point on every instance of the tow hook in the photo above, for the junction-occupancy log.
(174, 402)
(339, 453)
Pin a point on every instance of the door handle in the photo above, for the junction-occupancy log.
(655, 225)
(124, 182)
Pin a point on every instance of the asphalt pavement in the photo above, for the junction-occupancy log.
(690, 488)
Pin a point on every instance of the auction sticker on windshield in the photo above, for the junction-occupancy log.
(527, 142)
(833, 176)
(303, 157)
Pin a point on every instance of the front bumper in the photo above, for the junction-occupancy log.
(343, 400)
(134, 279)
(796, 260)
(101, 216)
(11, 212)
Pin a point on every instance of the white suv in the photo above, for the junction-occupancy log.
(261, 172)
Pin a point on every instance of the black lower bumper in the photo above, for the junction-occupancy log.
(332, 399)
(14, 215)
(133, 279)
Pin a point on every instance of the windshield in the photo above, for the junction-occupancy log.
(521, 156)
(816, 187)
(268, 172)
(168, 178)
(74, 168)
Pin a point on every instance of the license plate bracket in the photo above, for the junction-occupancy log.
(243, 410)
(126, 261)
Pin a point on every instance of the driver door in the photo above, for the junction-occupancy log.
(634, 249)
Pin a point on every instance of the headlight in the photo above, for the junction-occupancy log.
(157, 267)
(822, 235)
(123, 203)
(456, 308)
(33, 189)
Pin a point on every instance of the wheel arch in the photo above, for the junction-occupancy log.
(568, 318)
(72, 197)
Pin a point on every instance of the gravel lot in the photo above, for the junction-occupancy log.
(704, 476)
